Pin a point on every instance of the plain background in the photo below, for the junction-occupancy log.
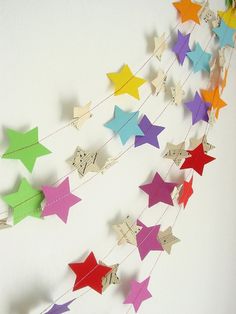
(55, 54)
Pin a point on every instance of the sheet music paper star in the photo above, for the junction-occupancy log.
(167, 239)
(4, 224)
(195, 142)
(212, 96)
(81, 115)
(229, 17)
(138, 293)
(212, 117)
(197, 160)
(111, 277)
(207, 14)
(127, 231)
(177, 93)
(186, 192)
(176, 152)
(85, 162)
(198, 108)
(159, 82)
(59, 200)
(125, 82)
(199, 58)
(160, 46)
(181, 47)
(89, 273)
(218, 70)
(60, 309)
(158, 191)
(188, 10)
(225, 34)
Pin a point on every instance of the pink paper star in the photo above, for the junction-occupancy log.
(138, 293)
(59, 200)
(159, 191)
(147, 239)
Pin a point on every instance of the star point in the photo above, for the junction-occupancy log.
(185, 192)
(167, 239)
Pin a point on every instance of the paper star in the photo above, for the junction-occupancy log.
(147, 239)
(89, 273)
(217, 69)
(59, 200)
(159, 82)
(181, 47)
(25, 202)
(150, 133)
(81, 115)
(229, 17)
(186, 192)
(195, 142)
(59, 309)
(160, 46)
(138, 293)
(167, 239)
(125, 124)
(213, 97)
(111, 277)
(198, 160)
(125, 82)
(188, 10)
(206, 13)
(25, 146)
(85, 161)
(212, 118)
(4, 224)
(111, 161)
(198, 108)
(225, 34)
(158, 191)
(127, 231)
(176, 152)
(177, 93)
(199, 58)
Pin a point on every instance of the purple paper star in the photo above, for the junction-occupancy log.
(138, 293)
(59, 309)
(150, 132)
(181, 47)
(147, 239)
(159, 191)
(199, 109)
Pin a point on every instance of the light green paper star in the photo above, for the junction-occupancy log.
(25, 202)
(25, 146)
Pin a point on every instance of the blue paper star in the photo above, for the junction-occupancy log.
(200, 59)
(125, 124)
(225, 34)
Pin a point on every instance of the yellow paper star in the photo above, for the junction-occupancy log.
(229, 17)
(125, 82)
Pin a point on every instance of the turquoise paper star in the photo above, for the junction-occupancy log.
(125, 124)
(200, 59)
(225, 34)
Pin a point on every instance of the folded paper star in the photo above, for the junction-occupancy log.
(89, 273)
(81, 115)
(125, 124)
(85, 162)
(197, 160)
(207, 14)
(195, 142)
(159, 191)
(25, 202)
(59, 200)
(181, 47)
(159, 82)
(167, 239)
(150, 133)
(111, 277)
(225, 34)
(160, 46)
(229, 17)
(138, 293)
(185, 192)
(60, 309)
(213, 97)
(4, 224)
(176, 152)
(177, 93)
(147, 240)
(127, 231)
(188, 10)
(200, 59)
(125, 82)
(25, 147)
(198, 108)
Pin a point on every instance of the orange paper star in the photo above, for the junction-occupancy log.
(188, 10)
(213, 97)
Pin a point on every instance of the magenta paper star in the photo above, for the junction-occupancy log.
(59, 309)
(181, 47)
(158, 191)
(147, 239)
(138, 293)
(199, 109)
(150, 132)
(59, 200)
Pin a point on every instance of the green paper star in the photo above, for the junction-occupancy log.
(25, 146)
(25, 202)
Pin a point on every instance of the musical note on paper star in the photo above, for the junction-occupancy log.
(126, 231)
(195, 142)
(176, 152)
(111, 277)
(160, 46)
(159, 82)
(167, 239)
(177, 93)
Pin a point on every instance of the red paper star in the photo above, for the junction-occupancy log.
(197, 160)
(186, 192)
(89, 273)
